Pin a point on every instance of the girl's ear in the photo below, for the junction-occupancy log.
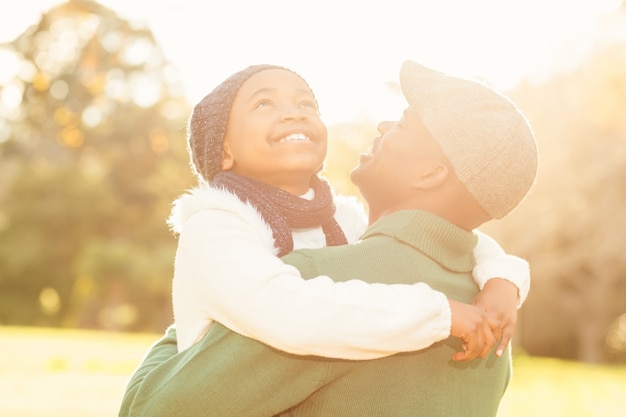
(228, 161)
(431, 176)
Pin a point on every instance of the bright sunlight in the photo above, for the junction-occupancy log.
(350, 52)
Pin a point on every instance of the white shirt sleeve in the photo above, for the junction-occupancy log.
(225, 271)
(493, 262)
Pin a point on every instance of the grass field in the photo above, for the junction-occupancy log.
(68, 373)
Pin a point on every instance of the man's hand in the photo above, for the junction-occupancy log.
(478, 330)
(499, 299)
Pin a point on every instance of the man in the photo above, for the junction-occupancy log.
(461, 155)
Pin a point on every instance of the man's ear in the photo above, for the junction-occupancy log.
(431, 176)
(228, 161)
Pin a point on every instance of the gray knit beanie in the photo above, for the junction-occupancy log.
(207, 125)
(485, 136)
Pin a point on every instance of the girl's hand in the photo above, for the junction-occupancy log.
(498, 298)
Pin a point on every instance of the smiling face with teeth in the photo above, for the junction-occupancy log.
(274, 132)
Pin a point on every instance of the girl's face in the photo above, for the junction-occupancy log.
(274, 132)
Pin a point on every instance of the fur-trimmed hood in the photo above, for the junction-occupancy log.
(349, 213)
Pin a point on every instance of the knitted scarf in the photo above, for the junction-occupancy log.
(283, 211)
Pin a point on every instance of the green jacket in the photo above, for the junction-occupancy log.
(227, 374)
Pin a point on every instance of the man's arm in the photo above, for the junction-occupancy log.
(225, 374)
(162, 350)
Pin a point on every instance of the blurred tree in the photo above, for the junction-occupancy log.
(345, 143)
(571, 228)
(92, 153)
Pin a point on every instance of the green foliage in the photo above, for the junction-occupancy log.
(94, 156)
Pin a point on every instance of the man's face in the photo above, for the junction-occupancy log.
(404, 151)
(274, 129)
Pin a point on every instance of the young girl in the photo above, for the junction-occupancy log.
(257, 144)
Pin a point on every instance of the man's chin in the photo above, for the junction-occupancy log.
(356, 175)
(354, 170)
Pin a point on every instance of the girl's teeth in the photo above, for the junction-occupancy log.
(297, 136)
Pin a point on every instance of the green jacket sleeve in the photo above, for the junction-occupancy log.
(225, 374)
(162, 350)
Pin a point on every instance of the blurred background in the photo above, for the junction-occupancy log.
(94, 101)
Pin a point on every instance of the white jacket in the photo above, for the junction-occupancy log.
(226, 270)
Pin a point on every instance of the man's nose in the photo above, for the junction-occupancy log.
(384, 126)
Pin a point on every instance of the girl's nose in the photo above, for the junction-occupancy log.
(293, 112)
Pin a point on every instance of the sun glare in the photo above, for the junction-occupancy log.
(348, 57)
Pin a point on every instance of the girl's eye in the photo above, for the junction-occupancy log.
(263, 103)
(308, 104)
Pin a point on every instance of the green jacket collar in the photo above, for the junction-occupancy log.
(437, 238)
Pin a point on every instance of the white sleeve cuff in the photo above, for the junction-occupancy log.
(511, 268)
